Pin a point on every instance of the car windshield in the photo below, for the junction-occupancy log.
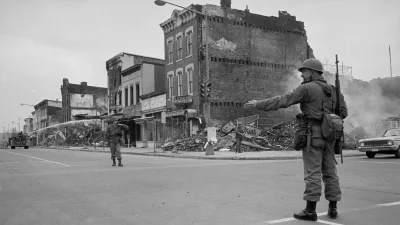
(392, 132)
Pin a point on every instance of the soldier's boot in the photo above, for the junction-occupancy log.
(332, 211)
(119, 162)
(308, 213)
(114, 164)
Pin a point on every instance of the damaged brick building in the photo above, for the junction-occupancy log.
(81, 100)
(250, 56)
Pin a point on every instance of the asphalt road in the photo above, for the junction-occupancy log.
(48, 187)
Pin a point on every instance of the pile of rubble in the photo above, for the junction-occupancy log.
(277, 138)
(74, 134)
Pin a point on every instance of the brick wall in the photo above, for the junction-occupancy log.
(252, 57)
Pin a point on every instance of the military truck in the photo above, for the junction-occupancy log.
(18, 140)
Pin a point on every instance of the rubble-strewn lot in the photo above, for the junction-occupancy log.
(276, 138)
(73, 134)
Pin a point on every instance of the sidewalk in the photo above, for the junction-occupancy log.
(218, 155)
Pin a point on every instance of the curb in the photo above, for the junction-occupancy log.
(211, 157)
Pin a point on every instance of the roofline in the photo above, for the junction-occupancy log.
(44, 101)
(122, 53)
(123, 72)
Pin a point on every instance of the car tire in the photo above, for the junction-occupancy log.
(12, 147)
(397, 153)
(370, 154)
(26, 147)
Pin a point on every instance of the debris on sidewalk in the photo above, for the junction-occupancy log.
(79, 134)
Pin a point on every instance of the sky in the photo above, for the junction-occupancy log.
(44, 41)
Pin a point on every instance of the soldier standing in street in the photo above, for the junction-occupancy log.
(114, 137)
(318, 156)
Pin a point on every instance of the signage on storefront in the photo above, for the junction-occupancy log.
(182, 99)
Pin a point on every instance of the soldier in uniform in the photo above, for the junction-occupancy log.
(114, 137)
(318, 160)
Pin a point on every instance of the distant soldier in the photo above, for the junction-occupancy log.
(114, 137)
(239, 137)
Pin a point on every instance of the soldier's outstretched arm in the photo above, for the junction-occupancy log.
(298, 95)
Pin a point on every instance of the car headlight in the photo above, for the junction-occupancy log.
(361, 144)
(390, 142)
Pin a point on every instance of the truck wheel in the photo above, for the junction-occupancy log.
(26, 147)
(397, 153)
(12, 147)
(370, 154)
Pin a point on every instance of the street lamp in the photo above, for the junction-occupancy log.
(162, 3)
(19, 126)
(26, 104)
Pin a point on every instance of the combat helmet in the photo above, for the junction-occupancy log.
(313, 64)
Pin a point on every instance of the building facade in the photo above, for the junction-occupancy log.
(81, 100)
(250, 56)
(47, 113)
(28, 126)
(133, 79)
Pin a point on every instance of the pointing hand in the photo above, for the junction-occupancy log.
(250, 104)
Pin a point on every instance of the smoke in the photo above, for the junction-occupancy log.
(368, 103)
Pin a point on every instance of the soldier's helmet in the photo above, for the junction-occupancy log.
(313, 64)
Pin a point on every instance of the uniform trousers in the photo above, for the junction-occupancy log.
(115, 149)
(319, 163)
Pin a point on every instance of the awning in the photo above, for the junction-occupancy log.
(189, 113)
(144, 119)
(175, 113)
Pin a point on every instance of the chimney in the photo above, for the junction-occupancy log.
(226, 3)
(65, 81)
(84, 84)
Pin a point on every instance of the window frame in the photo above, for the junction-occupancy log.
(131, 92)
(126, 93)
(189, 41)
(189, 75)
(170, 78)
(170, 47)
(179, 46)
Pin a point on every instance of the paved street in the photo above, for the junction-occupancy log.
(47, 186)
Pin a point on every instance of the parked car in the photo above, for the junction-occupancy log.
(387, 144)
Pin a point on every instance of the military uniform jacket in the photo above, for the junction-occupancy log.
(312, 97)
(114, 133)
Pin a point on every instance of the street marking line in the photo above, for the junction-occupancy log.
(376, 162)
(345, 211)
(9, 162)
(327, 222)
(37, 158)
(279, 221)
(390, 204)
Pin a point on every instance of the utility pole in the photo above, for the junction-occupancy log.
(19, 126)
(390, 59)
